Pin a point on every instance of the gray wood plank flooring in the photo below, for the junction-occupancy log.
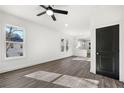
(66, 66)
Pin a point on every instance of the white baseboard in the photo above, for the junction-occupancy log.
(34, 62)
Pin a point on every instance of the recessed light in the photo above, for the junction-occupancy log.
(66, 25)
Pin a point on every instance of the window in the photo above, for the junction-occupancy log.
(14, 41)
(67, 45)
(62, 45)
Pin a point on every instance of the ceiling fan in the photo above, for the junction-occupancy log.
(50, 11)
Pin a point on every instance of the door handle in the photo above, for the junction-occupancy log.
(97, 53)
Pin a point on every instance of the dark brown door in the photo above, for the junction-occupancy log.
(107, 51)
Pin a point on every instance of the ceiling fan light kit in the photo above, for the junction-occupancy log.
(50, 11)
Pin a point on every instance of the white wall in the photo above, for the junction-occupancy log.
(76, 51)
(42, 44)
(106, 16)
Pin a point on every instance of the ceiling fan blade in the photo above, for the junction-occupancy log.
(60, 11)
(53, 17)
(41, 13)
(44, 7)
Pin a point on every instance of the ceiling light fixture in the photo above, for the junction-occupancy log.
(49, 12)
(66, 25)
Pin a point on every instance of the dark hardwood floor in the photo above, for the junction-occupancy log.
(67, 66)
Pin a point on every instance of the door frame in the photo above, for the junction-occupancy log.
(93, 46)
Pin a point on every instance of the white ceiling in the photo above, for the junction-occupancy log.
(78, 18)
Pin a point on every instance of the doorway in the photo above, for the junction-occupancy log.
(107, 51)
